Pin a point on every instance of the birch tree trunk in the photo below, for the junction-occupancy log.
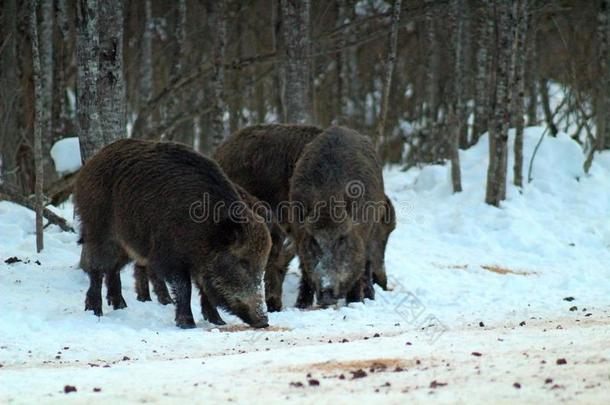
(296, 64)
(45, 41)
(38, 122)
(87, 50)
(111, 82)
(496, 172)
(519, 87)
(217, 20)
(388, 73)
(458, 109)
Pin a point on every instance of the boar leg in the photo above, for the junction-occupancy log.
(142, 291)
(356, 294)
(113, 281)
(305, 299)
(380, 278)
(209, 311)
(179, 280)
(159, 287)
(97, 260)
(368, 289)
(93, 300)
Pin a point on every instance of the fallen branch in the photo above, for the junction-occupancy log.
(48, 214)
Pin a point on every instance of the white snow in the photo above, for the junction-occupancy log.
(444, 262)
(66, 155)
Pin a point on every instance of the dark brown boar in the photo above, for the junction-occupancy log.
(170, 209)
(338, 188)
(279, 256)
(261, 159)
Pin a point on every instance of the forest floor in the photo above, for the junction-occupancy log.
(506, 305)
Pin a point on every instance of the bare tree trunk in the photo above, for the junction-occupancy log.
(87, 50)
(217, 20)
(432, 70)
(146, 67)
(278, 46)
(296, 69)
(519, 71)
(532, 74)
(235, 102)
(177, 68)
(496, 172)
(111, 82)
(458, 119)
(389, 71)
(10, 134)
(62, 63)
(481, 115)
(546, 106)
(45, 40)
(38, 123)
(603, 54)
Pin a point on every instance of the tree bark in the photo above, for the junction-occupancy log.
(388, 73)
(179, 61)
(496, 172)
(519, 82)
(59, 114)
(296, 65)
(603, 54)
(482, 72)
(10, 133)
(432, 69)
(146, 67)
(217, 20)
(546, 106)
(111, 82)
(38, 123)
(45, 41)
(458, 112)
(87, 50)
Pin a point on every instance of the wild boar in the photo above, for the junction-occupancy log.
(338, 188)
(172, 210)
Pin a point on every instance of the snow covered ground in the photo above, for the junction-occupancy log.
(485, 305)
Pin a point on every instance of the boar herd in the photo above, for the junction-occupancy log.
(231, 225)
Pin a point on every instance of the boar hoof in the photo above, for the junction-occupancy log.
(143, 297)
(97, 309)
(185, 323)
(273, 305)
(119, 303)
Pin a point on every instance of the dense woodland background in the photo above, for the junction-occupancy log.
(421, 77)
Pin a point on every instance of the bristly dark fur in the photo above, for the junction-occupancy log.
(339, 257)
(134, 199)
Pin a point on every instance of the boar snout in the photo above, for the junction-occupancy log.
(327, 298)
